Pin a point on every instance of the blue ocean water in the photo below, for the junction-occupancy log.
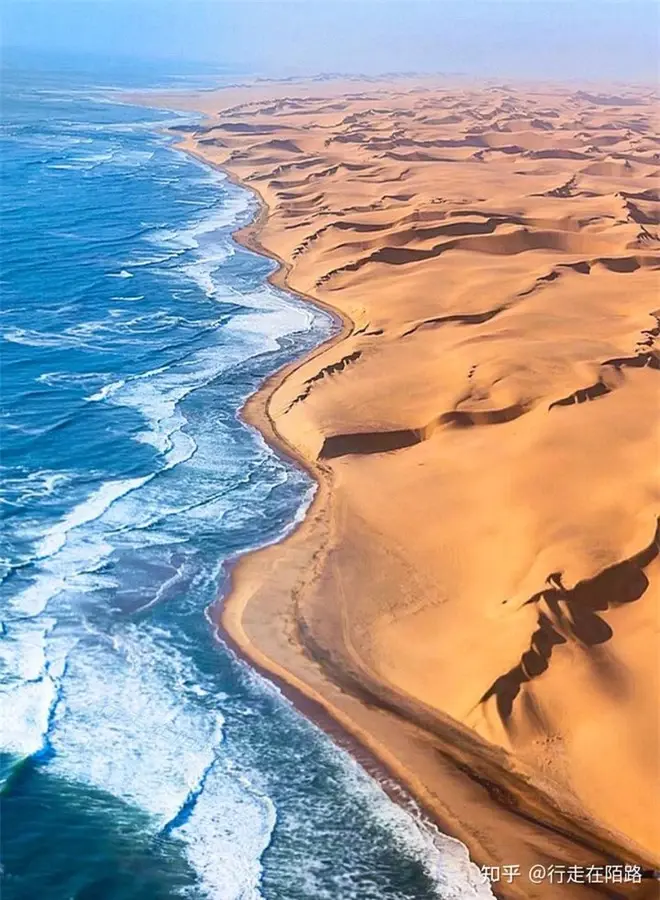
(140, 758)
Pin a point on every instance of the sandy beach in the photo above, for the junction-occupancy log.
(473, 594)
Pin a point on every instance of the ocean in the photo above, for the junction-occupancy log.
(140, 758)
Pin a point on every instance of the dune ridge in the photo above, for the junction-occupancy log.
(479, 605)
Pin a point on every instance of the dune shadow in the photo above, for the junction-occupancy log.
(573, 615)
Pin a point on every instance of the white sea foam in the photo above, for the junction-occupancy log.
(113, 156)
(168, 761)
(151, 260)
(163, 589)
(23, 650)
(76, 544)
(41, 483)
(271, 325)
(136, 687)
(123, 274)
(106, 391)
(133, 158)
(157, 394)
(33, 600)
(203, 270)
(26, 690)
(87, 511)
(94, 159)
(229, 829)
(72, 548)
(32, 338)
(25, 709)
(445, 859)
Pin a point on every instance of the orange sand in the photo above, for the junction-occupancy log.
(475, 590)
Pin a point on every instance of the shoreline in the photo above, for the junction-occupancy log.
(468, 787)
(225, 621)
(315, 712)
(308, 705)
(254, 413)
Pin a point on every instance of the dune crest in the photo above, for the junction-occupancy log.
(475, 590)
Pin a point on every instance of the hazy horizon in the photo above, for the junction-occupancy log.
(558, 39)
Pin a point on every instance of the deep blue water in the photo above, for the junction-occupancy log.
(140, 759)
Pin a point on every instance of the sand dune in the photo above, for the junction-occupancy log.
(475, 591)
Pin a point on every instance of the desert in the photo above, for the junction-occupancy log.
(474, 592)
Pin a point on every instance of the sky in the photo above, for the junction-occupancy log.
(616, 40)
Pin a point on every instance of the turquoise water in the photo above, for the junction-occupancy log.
(140, 758)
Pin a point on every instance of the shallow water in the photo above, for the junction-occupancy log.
(140, 758)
